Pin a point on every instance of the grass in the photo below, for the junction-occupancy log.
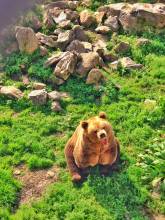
(36, 136)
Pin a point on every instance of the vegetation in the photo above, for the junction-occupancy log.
(36, 136)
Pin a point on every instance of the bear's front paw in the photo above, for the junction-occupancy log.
(76, 177)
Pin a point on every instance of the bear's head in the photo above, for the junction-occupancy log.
(97, 129)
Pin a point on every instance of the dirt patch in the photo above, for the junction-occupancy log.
(34, 182)
(152, 216)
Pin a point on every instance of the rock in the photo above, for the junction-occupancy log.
(128, 63)
(55, 80)
(66, 66)
(143, 41)
(132, 15)
(64, 39)
(58, 31)
(100, 44)
(109, 57)
(38, 97)
(72, 15)
(158, 217)
(112, 23)
(94, 77)
(88, 61)
(114, 65)
(63, 5)
(99, 16)
(25, 79)
(56, 96)
(60, 18)
(48, 19)
(87, 46)
(50, 174)
(151, 14)
(102, 30)
(43, 51)
(11, 92)
(79, 33)
(87, 18)
(65, 24)
(27, 40)
(86, 3)
(100, 47)
(54, 59)
(17, 172)
(155, 195)
(122, 47)
(47, 40)
(56, 106)
(39, 86)
(76, 46)
(112, 9)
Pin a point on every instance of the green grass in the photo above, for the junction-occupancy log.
(36, 137)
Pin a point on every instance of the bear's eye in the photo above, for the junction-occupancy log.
(95, 131)
(104, 127)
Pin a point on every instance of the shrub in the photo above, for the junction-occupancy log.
(39, 163)
(9, 189)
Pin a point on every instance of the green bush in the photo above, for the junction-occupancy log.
(32, 64)
(9, 189)
(39, 163)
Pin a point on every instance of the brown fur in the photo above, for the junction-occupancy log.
(85, 148)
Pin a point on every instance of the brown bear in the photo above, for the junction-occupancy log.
(93, 143)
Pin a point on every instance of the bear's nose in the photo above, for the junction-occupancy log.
(102, 135)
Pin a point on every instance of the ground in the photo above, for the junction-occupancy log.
(34, 138)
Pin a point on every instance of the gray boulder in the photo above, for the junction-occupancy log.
(38, 97)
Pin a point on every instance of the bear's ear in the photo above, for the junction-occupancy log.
(84, 124)
(102, 115)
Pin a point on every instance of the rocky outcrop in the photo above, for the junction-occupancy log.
(11, 92)
(84, 47)
(27, 40)
(134, 17)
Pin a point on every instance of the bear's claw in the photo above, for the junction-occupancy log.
(76, 177)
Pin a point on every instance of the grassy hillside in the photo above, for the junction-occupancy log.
(36, 136)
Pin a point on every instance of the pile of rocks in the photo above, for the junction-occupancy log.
(78, 53)
(38, 96)
(41, 96)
